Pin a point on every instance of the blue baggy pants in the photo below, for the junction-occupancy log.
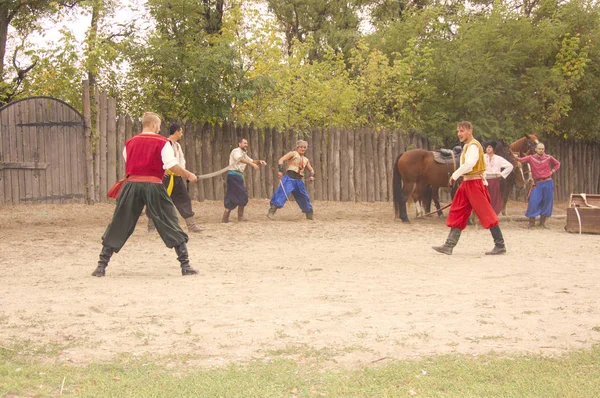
(292, 187)
(541, 200)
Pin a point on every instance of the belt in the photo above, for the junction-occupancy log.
(543, 179)
(236, 173)
(151, 179)
(472, 177)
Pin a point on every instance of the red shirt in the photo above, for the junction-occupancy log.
(144, 155)
(541, 166)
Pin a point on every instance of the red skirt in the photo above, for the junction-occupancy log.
(495, 194)
(471, 195)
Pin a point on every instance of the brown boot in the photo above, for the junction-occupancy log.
(191, 225)
(531, 222)
(543, 221)
(241, 214)
(225, 218)
(271, 213)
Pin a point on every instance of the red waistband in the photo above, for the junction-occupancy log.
(152, 179)
(543, 179)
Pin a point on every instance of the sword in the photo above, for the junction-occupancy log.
(281, 184)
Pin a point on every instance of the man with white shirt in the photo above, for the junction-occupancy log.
(237, 194)
(472, 195)
(147, 155)
(176, 187)
(496, 169)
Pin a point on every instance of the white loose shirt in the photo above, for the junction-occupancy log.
(471, 158)
(235, 160)
(167, 155)
(497, 165)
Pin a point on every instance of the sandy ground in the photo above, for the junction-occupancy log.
(355, 285)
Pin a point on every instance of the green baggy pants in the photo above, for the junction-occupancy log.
(131, 202)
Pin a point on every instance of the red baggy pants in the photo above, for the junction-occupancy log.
(472, 195)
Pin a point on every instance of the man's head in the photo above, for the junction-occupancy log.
(176, 132)
(243, 143)
(464, 131)
(540, 149)
(490, 147)
(151, 122)
(301, 146)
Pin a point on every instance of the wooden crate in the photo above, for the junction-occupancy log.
(581, 216)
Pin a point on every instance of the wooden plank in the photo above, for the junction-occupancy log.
(389, 163)
(43, 111)
(316, 163)
(3, 136)
(330, 168)
(278, 145)
(55, 161)
(20, 117)
(262, 155)
(81, 166)
(102, 149)
(111, 142)
(198, 156)
(271, 162)
(350, 163)
(310, 154)
(89, 163)
(254, 155)
(29, 144)
(121, 125)
(63, 154)
(336, 165)
(96, 147)
(344, 172)
(381, 141)
(218, 163)
(12, 186)
(209, 189)
(370, 166)
(357, 165)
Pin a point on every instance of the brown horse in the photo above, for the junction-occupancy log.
(414, 172)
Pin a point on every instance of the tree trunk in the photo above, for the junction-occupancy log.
(4, 22)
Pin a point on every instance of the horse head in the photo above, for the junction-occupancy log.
(525, 145)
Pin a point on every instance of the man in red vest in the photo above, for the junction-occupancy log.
(147, 156)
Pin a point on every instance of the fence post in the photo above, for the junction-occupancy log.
(89, 164)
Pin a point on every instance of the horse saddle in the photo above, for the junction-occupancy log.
(449, 157)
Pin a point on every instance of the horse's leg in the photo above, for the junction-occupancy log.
(435, 194)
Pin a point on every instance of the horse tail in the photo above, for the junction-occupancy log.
(398, 193)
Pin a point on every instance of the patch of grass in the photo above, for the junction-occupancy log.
(28, 371)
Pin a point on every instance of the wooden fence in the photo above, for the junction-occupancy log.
(350, 164)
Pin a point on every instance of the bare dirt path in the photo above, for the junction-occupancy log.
(354, 285)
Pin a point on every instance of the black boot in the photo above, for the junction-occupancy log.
(499, 247)
(183, 258)
(531, 222)
(105, 256)
(309, 216)
(451, 241)
(271, 213)
(543, 221)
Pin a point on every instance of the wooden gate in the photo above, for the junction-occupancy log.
(42, 152)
